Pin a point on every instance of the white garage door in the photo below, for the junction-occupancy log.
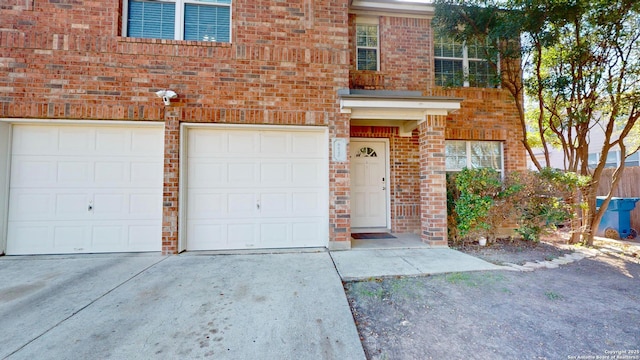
(256, 188)
(84, 189)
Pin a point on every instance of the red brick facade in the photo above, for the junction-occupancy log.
(485, 114)
(284, 66)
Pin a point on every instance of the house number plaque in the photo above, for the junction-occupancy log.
(339, 149)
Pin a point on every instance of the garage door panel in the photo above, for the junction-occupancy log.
(274, 143)
(241, 143)
(308, 145)
(275, 204)
(206, 143)
(207, 236)
(71, 206)
(108, 205)
(276, 234)
(92, 186)
(107, 237)
(206, 205)
(144, 206)
(242, 234)
(256, 189)
(306, 203)
(112, 141)
(203, 173)
(38, 140)
(31, 171)
(70, 172)
(274, 173)
(69, 238)
(145, 173)
(31, 206)
(72, 140)
(241, 205)
(29, 238)
(307, 233)
(143, 237)
(144, 143)
(241, 174)
(111, 172)
(309, 173)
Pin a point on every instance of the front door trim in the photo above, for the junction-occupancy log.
(385, 141)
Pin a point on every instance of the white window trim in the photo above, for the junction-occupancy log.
(468, 154)
(465, 63)
(368, 21)
(178, 30)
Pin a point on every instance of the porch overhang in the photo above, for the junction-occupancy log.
(405, 110)
(411, 9)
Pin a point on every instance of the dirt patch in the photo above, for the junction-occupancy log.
(588, 308)
(515, 251)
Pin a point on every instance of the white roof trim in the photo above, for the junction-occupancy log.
(399, 109)
(404, 113)
(383, 7)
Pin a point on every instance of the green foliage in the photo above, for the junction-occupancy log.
(482, 203)
(479, 202)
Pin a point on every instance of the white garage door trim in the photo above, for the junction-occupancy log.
(184, 178)
(154, 151)
(5, 153)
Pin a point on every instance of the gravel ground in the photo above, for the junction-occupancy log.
(588, 309)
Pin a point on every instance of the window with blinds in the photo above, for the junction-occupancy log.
(200, 20)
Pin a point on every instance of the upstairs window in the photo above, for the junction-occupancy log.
(449, 62)
(461, 154)
(201, 20)
(367, 44)
(462, 64)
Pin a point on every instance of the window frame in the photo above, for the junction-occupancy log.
(179, 21)
(368, 21)
(466, 60)
(468, 155)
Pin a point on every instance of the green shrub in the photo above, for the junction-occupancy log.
(479, 202)
(482, 205)
(544, 200)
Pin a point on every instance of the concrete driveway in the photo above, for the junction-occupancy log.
(123, 306)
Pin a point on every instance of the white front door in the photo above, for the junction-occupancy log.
(85, 189)
(368, 183)
(256, 188)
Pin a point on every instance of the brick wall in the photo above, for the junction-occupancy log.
(487, 114)
(405, 56)
(417, 163)
(67, 60)
(406, 63)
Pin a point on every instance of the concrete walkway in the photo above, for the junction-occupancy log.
(266, 306)
(372, 263)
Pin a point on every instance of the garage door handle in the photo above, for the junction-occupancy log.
(90, 208)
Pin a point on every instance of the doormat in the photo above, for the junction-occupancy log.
(367, 236)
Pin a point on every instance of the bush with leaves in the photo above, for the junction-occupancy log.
(545, 199)
(483, 204)
(479, 202)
